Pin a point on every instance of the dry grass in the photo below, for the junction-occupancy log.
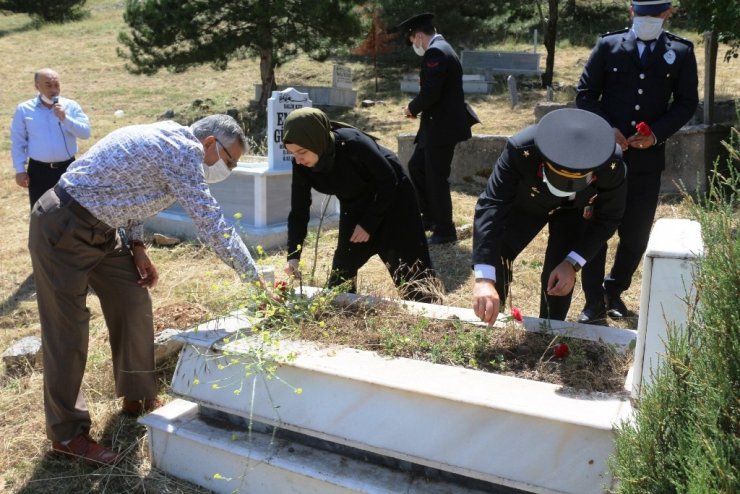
(92, 74)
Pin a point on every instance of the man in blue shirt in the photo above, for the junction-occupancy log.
(44, 134)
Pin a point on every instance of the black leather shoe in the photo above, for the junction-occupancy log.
(616, 309)
(442, 239)
(593, 313)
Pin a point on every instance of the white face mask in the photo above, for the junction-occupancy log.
(647, 28)
(419, 50)
(47, 100)
(217, 172)
(553, 190)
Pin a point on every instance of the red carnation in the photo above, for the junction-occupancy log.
(644, 129)
(561, 350)
(517, 314)
(281, 286)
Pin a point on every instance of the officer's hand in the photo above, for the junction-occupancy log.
(621, 140)
(562, 280)
(292, 268)
(485, 300)
(22, 179)
(640, 141)
(407, 113)
(147, 270)
(359, 235)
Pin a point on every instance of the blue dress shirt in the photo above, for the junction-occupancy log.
(37, 133)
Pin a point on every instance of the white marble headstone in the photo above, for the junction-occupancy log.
(341, 77)
(278, 107)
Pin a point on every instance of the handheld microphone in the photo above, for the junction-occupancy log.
(55, 100)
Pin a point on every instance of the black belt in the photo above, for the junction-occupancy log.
(67, 201)
(55, 164)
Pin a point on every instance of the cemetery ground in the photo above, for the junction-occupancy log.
(194, 284)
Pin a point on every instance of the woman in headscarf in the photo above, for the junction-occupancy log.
(379, 212)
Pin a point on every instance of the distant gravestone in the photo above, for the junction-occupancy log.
(278, 107)
(511, 82)
(341, 77)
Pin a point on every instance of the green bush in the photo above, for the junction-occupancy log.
(685, 437)
(46, 10)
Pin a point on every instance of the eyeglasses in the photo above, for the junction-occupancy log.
(231, 164)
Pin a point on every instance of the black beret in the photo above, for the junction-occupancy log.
(649, 7)
(417, 22)
(573, 144)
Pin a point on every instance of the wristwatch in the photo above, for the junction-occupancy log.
(574, 263)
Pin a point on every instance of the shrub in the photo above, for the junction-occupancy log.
(685, 437)
(46, 10)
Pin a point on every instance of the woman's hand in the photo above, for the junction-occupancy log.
(359, 235)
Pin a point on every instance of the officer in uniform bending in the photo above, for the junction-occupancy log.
(642, 75)
(565, 172)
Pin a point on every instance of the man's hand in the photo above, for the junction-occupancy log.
(562, 280)
(147, 270)
(58, 110)
(292, 268)
(407, 113)
(359, 235)
(22, 179)
(485, 300)
(621, 140)
(640, 141)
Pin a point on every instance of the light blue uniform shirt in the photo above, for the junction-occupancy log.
(37, 133)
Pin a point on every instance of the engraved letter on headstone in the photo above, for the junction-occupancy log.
(280, 104)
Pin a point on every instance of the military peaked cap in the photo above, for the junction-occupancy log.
(573, 144)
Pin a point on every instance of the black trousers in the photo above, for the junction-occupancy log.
(565, 228)
(43, 176)
(429, 169)
(400, 243)
(634, 232)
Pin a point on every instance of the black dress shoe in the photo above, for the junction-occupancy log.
(593, 313)
(441, 239)
(616, 309)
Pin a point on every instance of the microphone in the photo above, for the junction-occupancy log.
(55, 100)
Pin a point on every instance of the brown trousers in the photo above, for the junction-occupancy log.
(70, 250)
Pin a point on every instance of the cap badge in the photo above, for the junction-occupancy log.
(526, 153)
(613, 165)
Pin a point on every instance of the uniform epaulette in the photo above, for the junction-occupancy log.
(621, 31)
(675, 37)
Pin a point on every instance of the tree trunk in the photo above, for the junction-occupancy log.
(267, 74)
(551, 32)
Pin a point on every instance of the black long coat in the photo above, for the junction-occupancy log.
(445, 119)
(663, 94)
(373, 192)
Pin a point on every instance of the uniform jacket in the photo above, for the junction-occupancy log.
(516, 181)
(445, 119)
(365, 178)
(663, 94)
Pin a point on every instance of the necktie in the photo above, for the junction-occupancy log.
(645, 54)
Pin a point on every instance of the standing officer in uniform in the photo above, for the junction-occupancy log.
(557, 173)
(445, 121)
(44, 132)
(636, 75)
